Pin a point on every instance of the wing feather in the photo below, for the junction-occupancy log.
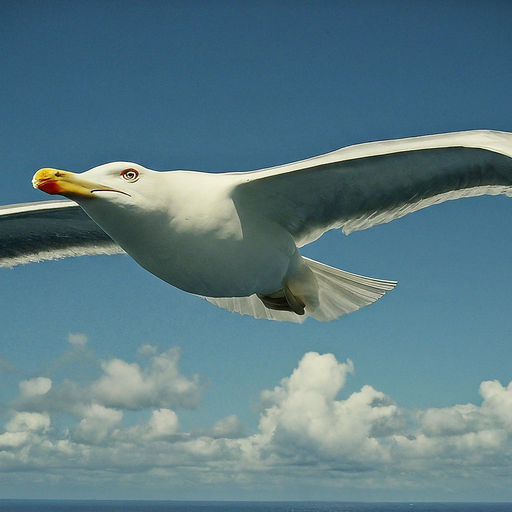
(361, 186)
(48, 230)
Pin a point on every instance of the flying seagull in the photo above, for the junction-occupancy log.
(233, 238)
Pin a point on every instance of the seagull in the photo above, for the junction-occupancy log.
(234, 238)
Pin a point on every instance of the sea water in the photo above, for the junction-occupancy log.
(240, 506)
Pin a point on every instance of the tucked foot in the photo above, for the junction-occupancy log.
(283, 300)
(294, 302)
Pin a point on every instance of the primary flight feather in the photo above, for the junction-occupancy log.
(233, 238)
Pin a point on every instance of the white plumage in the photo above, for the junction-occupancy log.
(233, 237)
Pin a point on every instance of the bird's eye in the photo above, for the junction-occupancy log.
(130, 175)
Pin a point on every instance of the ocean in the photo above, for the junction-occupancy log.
(240, 506)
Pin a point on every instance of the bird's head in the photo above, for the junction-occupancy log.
(118, 178)
(113, 195)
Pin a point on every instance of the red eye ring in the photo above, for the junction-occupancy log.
(130, 175)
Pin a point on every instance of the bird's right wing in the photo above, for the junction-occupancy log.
(49, 230)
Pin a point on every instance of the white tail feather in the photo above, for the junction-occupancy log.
(339, 292)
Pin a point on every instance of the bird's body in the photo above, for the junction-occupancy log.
(233, 238)
(192, 236)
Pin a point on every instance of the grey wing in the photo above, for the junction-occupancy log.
(361, 186)
(49, 230)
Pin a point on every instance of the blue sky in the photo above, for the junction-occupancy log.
(116, 385)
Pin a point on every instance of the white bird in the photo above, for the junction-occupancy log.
(233, 238)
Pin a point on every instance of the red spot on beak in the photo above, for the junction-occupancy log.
(50, 187)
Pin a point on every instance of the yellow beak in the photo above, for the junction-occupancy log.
(68, 184)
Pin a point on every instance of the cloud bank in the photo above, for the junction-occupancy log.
(307, 433)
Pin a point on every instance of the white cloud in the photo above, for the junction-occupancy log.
(66, 396)
(127, 386)
(13, 439)
(147, 350)
(28, 421)
(97, 423)
(498, 402)
(77, 339)
(452, 421)
(305, 421)
(229, 428)
(123, 385)
(35, 387)
(163, 423)
(308, 432)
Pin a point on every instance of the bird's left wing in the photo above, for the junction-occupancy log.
(49, 230)
(368, 184)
